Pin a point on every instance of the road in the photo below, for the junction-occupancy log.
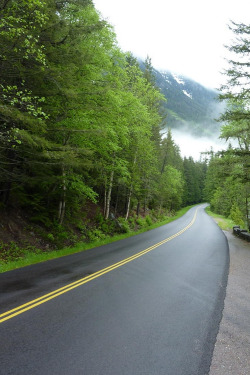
(149, 304)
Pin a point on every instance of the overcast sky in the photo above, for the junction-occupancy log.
(183, 36)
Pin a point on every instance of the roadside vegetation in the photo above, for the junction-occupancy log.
(82, 150)
(227, 184)
(12, 256)
(225, 223)
(85, 149)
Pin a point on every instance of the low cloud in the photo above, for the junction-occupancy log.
(194, 146)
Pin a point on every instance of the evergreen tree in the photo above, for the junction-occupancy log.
(194, 174)
(235, 120)
(80, 121)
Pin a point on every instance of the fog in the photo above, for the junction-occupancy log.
(193, 146)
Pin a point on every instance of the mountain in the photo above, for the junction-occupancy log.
(189, 104)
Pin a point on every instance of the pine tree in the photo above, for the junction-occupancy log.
(236, 119)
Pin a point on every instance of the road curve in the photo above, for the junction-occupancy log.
(150, 304)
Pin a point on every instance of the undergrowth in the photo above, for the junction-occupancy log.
(13, 256)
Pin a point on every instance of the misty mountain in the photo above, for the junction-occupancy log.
(189, 104)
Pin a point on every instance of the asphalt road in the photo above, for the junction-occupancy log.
(157, 312)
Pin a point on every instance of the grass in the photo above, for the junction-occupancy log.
(224, 222)
(33, 258)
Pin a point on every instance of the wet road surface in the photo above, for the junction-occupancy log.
(157, 313)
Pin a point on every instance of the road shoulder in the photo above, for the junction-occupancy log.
(232, 348)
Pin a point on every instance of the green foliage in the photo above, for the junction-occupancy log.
(141, 222)
(226, 188)
(108, 227)
(124, 225)
(223, 222)
(227, 184)
(236, 215)
(80, 122)
(95, 234)
(194, 174)
(12, 251)
(51, 237)
(148, 220)
(33, 255)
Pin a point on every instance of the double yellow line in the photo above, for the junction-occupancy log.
(47, 297)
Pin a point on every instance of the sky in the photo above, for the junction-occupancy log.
(184, 36)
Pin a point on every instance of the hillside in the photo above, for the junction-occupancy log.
(189, 104)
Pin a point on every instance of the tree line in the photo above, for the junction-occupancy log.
(227, 185)
(80, 121)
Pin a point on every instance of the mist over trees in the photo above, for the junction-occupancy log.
(81, 125)
(228, 179)
(80, 121)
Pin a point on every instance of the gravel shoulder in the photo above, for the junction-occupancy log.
(232, 349)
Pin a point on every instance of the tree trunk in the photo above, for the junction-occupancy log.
(138, 208)
(6, 192)
(62, 203)
(163, 164)
(129, 201)
(131, 187)
(109, 195)
(160, 207)
(105, 200)
(144, 206)
(116, 202)
(8, 173)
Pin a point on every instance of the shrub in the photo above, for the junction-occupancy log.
(50, 237)
(236, 215)
(124, 225)
(95, 234)
(10, 251)
(148, 220)
(141, 222)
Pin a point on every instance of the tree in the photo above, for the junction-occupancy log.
(54, 56)
(171, 187)
(224, 187)
(235, 120)
(79, 119)
(170, 153)
(22, 117)
(236, 92)
(194, 174)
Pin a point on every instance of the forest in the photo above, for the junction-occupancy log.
(227, 185)
(82, 148)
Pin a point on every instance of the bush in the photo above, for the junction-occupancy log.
(106, 226)
(148, 220)
(124, 225)
(51, 237)
(10, 252)
(236, 215)
(95, 234)
(142, 222)
(132, 222)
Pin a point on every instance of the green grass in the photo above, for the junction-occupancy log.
(224, 222)
(32, 258)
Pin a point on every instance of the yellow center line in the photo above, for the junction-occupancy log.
(47, 297)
